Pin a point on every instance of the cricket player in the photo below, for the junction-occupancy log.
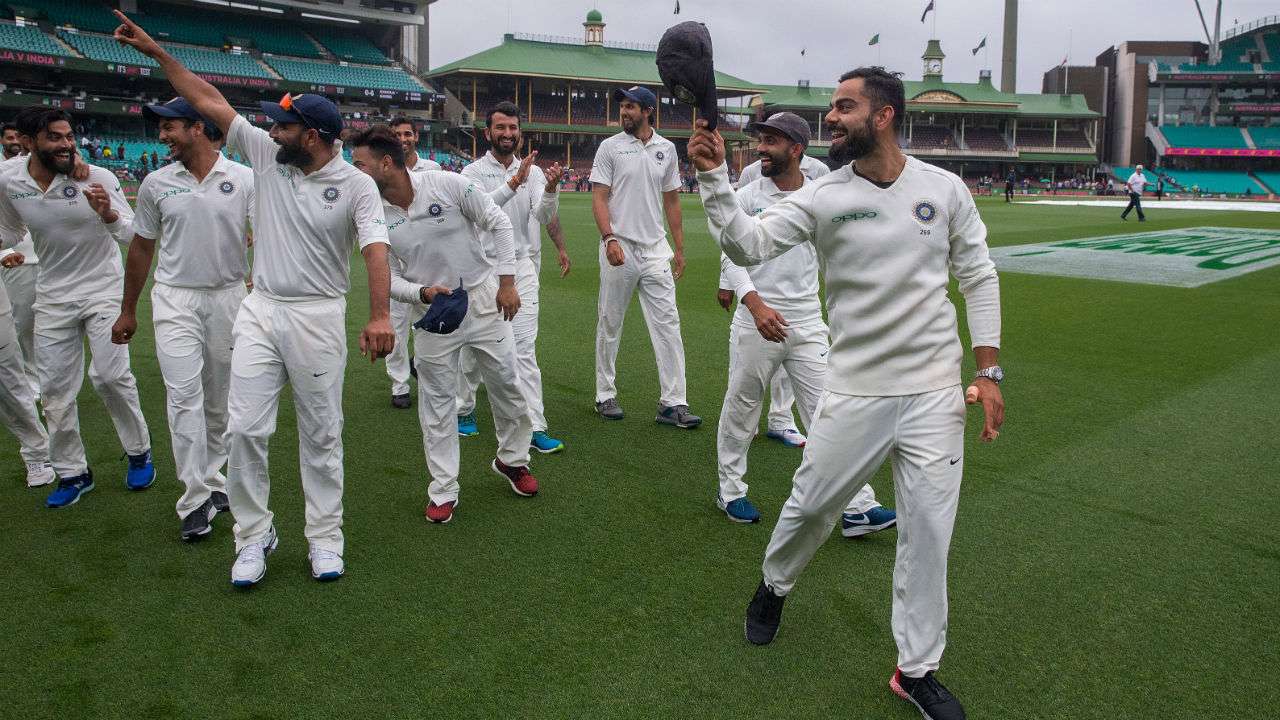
(530, 199)
(18, 403)
(888, 229)
(781, 424)
(1136, 183)
(311, 209)
(20, 281)
(398, 362)
(436, 221)
(197, 210)
(635, 181)
(75, 226)
(778, 325)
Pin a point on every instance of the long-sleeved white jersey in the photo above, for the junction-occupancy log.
(886, 254)
(529, 207)
(436, 241)
(787, 283)
(25, 246)
(79, 258)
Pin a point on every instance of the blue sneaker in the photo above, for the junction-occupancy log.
(740, 510)
(141, 473)
(545, 444)
(69, 490)
(874, 520)
(790, 437)
(467, 425)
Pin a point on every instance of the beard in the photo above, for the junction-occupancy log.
(293, 154)
(12, 150)
(855, 144)
(51, 160)
(630, 126)
(505, 146)
(776, 166)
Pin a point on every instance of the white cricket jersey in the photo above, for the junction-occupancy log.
(529, 207)
(637, 174)
(1136, 182)
(78, 252)
(200, 226)
(885, 254)
(25, 246)
(437, 241)
(305, 226)
(423, 165)
(787, 283)
(810, 167)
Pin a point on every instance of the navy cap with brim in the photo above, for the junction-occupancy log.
(276, 112)
(175, 108)
(645, 98)
(446, 313)
(757, 127)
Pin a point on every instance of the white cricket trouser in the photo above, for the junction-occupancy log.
(398, 360)
(753, 363)
(193, 344)
(491, 342)
(850, 438)
(61, 331)
(17, 401)
(20, 283)
(303, 343)
(648, 270)
(781, 400)
(525, 328)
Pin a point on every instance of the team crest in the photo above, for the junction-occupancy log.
(331, 194)
(925, 212)
(227, 187)
(69, 191)
(435, 210)
(660, 155)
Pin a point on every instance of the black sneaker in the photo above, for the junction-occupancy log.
(220, 501)
(932, 700)
(764, 614)
(196, 524)
(401, 402)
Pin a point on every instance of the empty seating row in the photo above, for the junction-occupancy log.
(1214, 181)
(1266, 138)
(1271, 179)
(106, 49)
(932, 136)
(356, 76)
(29, 39)
(352, 48)
(980, 138)
(1200, 136)
(214, 61)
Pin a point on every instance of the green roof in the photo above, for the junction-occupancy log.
(980, 97)
(576, 62)
(1061, 157)
(612, 130)
(594, 17)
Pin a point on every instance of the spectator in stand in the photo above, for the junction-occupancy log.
(155, 160)
(106, 153)
(120, 151)
(1009, 182)
(96, 152)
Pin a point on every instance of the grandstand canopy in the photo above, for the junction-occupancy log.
(936, 96)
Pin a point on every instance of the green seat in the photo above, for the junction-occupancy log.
(29, 39)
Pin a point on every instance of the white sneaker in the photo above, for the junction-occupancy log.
(251, 562)
(325, 564)
(40, 473)
(790, 437)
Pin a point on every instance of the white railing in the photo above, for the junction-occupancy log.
(566, 40)
(1241, 29)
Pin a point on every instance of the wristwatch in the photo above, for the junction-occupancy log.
(993, 373)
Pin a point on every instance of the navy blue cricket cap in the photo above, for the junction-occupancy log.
(175, 108)
(446, 312)
(687, 68)
(313, 111)
(643, 97)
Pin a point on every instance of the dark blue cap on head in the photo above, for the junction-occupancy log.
(642, 96)
(446, 312)
(175, 108)
(314, 111)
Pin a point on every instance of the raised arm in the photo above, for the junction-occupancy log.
(204, 97)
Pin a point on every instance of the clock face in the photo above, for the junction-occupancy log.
(934, 66)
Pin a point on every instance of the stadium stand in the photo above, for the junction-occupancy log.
(349, 75)
(352, 48)
(1074, 139)
(1214, 181)
(94, 17)
(1272, 41)
(934, 137)
(1271, 179)
(181, 24)
(29, 39)
(1199, 136)
(214, 61)
(101, 47)
(1266, 138)
(181, 27)
(980, 138)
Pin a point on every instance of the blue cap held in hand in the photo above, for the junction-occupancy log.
(446, 312)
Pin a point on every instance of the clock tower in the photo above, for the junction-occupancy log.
(933, 57)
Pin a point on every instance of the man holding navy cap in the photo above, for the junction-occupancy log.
(197, 210)
(635, 182)
(436, 222)
(311, 208)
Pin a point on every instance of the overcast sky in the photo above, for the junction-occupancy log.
(761, 41)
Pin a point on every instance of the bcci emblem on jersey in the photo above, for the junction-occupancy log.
(227, 187)
(69, 191)
(660, 156)
(435, 210)
(925, 212)
(331, 194)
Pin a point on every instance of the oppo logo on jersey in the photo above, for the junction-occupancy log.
(22, 196)
(855, 215)
(171, 193)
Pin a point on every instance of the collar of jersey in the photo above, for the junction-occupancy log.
(219, 166)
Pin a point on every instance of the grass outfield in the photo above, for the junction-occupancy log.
(1112, 555)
